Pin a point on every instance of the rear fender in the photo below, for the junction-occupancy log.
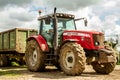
(41, 41)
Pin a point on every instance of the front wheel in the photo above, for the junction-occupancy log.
(34, 56)
(72, 58)
(103, 68)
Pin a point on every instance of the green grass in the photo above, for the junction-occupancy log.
(118, 63)
(12, 71)
(9, 73)
(14, 64)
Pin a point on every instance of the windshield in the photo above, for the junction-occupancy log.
(47, 29)
(66, 24)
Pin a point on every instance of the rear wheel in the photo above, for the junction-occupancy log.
(34, 56)
(3, 60)
(72, 58)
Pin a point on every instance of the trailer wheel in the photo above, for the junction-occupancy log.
(104, 68)
(72, 58)
(34, 56)
(3, 60)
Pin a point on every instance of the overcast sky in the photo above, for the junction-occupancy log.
(102, 15)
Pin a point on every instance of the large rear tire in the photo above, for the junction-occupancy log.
(72, 58)
(34, 56)
(3, 60)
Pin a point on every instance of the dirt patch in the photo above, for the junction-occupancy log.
(51, 73)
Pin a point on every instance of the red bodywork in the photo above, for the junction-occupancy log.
(41, 41)
(84, 38)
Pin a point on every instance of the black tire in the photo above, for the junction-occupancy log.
(72, 58)
(34, 56)
(3, 60)
(104, 68)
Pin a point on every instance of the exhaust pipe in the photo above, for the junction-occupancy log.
(55, 42)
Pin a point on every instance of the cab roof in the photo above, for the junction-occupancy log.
(60, 15)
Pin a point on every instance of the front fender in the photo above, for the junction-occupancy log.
(107, 55)
(41, 41)
(68, 40)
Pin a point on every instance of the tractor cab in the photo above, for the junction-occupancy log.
(47, 26)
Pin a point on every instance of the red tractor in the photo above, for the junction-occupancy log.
(61, 45)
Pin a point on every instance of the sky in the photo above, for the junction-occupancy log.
(102, 15)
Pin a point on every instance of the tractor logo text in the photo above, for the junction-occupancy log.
(76, 34)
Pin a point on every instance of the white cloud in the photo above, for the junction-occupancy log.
(21, 14)
(117, 30)
(71, 4)
(101, 14)
(96, 23)
(110, 4)
(109, 25)
(4, 3)
(110, 22)
(16, 17)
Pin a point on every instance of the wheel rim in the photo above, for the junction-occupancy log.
(69, 60)
(33, 58)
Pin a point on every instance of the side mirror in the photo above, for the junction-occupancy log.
(85, 20)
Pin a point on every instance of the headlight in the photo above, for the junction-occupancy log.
(97, 43)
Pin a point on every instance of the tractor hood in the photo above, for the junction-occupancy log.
(87, 39)
(84, 32)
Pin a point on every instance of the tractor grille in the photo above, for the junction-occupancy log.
(98, 39)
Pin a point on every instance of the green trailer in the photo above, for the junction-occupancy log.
(13, 44)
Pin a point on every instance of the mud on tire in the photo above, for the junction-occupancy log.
(72, 58)
(34, 56)
(104, 68)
